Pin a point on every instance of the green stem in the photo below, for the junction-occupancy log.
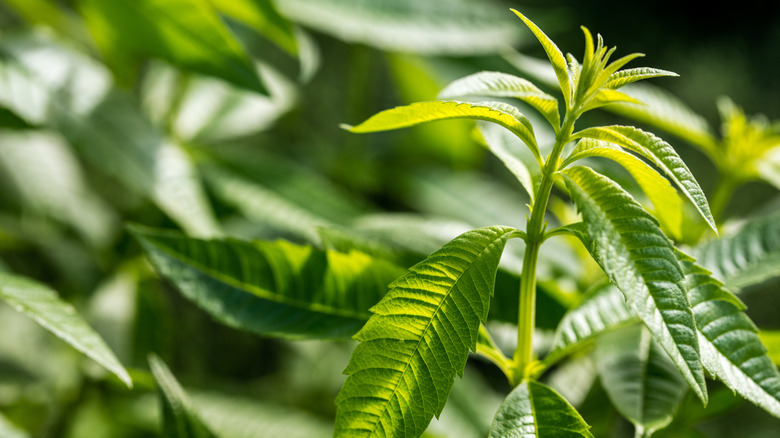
(535, 235)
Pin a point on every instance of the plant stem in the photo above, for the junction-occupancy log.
(535, 235)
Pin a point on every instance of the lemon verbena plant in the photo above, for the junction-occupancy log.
(419, 335)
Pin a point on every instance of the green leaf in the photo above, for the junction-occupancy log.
(606, 96)
(263, 17)
(771, 339)
(418, 339)
(179, 418)
(603, 310)
(731, 349)
(625, 77)
(42, 304)
(496, 84)
(556, 59)
(272, 288)
(640, 380)
(450, 27)
(186, 33)
(640, 260)
(534, 410)
(420, 112)
(663, 110)
(515, 157)
(9, 430)
(668, 206)
(747, 257)
(661, 154)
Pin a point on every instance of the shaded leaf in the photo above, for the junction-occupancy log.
(272, 288)
(42, 304)
(263, 17)
(420, 112)
(447, 27)
(640, 380)
(186, 33)
(661, 154)
(730, 346)
(179, 418)
(418, 339)
(534, 410)
(640, 260)
(747, 257)
(515, 157)
(496, 84)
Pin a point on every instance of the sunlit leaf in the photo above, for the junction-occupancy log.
(730, 346)
(565, 81)
(452, 27)
(405, 116)
(179, 418)
(635, 254)
(534, 410)
(625, 77)
(746, 257)
(668, 206)
(186, 33)
(272, 288)
(641, 381)
(771, 339)
(418, 338)
(42, 304)
(496, 84)
(661, 154)
(607, 96)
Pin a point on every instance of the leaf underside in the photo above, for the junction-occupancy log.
(418, 339)
(534, 410)
(640, 260)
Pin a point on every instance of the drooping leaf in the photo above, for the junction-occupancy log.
(731, 349)
(640, 380)
(420, 112)
(496, 84)
(533, 410)
(42, 304)
(640, 260)
(661, 154)
(186, 33)
(747, 257)
(179, 418)
(663, 110)
(272, 288)
(603, 310)
(418, 339)
(446, 27)
(668, 206)
(515, 157)
(557, 60)
(624, 77)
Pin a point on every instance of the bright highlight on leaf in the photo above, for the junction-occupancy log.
(42, 304)
(533, 410)
(635, 254)
(418, 339)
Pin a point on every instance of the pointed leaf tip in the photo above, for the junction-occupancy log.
(346, 127)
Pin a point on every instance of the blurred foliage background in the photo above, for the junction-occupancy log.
(221, 118)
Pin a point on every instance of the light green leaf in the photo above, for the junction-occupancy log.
(418, 339)
(9, 430)
(445, 27)
(663, 110)
(668, 206)
(557, 60)
(730, 346)
(640, 380)
(661, 154)
(420, 112)
(640, 260)
(496, 84)
(263, 17)
(747, 257)
(186, 33)
(42, 304)
(771, 339)
(534, 410)
(625, 77)
(603, 310)
(606, 96)
(272, 288)
(179, 418)
(515, 157)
